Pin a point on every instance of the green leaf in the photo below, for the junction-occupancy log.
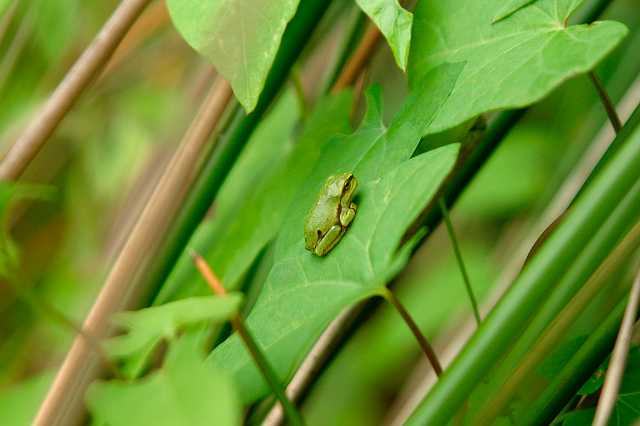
(236, 234)
(303, 292)
(148, 327)
(627, 408)
(169, 396)
(240, 37)
(394, 23)
(19, 403)
(510, 7)
(512, 63)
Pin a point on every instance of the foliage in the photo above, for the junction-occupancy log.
(168, 396)
(146, 328)
(450, 64)
(240, 38)
(394, 23)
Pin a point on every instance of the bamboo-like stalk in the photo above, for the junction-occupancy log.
(70, 88)
(506, 321)
(64, 402)
(561, 324)
(144, 278)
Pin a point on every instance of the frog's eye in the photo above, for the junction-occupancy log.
(347, 184)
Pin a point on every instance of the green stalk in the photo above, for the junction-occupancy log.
(220, 162)
(530, 290)
(605, 279)
(601, 244)
(588, 358)
(267, 371)
(463, 269)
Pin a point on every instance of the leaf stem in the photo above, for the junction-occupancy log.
(422, 340)
(606, 102)
(249, 341)
(463, 269)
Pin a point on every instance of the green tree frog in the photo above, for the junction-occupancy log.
(331, 214)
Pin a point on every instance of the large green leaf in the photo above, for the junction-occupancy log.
(240, 37)
(511, 63)
(302, 292)
(236, 234)
(185, 391)
(394, 23)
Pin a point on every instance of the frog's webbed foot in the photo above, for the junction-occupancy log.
(347, 215)
(329, 240)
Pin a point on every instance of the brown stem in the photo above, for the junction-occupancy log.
(422, 340)
(606, 102)
(250, 343)
(70, 88)
(615, 371)
(64, 402)
(359, 59)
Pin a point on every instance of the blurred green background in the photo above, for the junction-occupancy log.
(109, 150)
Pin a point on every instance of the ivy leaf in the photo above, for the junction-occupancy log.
(510, 7)
(240, 37)
(234, 237)
(303, 292)
(148, 327)
(512, 63)
(394, 23)
(168, 396)
(627, 408)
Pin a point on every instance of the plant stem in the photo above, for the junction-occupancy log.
(463, 269)
(606, 102)
(249, 341)
(615, 371)
(359, 59)
(564, 385)
(63, 406)
(597, 283)
(422, 340)
(509, 317)
(70, 88)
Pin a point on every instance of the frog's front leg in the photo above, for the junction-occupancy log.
(347, 215)
(329, 240)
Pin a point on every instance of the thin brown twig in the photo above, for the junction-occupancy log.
(417, 333)
(70, 88)
(606, 102)
(64, 402)
(359, 60)
(615, 371)
(250, 343)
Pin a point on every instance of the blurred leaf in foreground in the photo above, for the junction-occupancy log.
(185, 391)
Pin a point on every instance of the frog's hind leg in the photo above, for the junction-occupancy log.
(347, 215)
(329, 240)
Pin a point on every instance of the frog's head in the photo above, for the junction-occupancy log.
(348, 184)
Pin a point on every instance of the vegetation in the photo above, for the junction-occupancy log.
(161, 160)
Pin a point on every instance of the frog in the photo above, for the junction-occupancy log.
(331, 215)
